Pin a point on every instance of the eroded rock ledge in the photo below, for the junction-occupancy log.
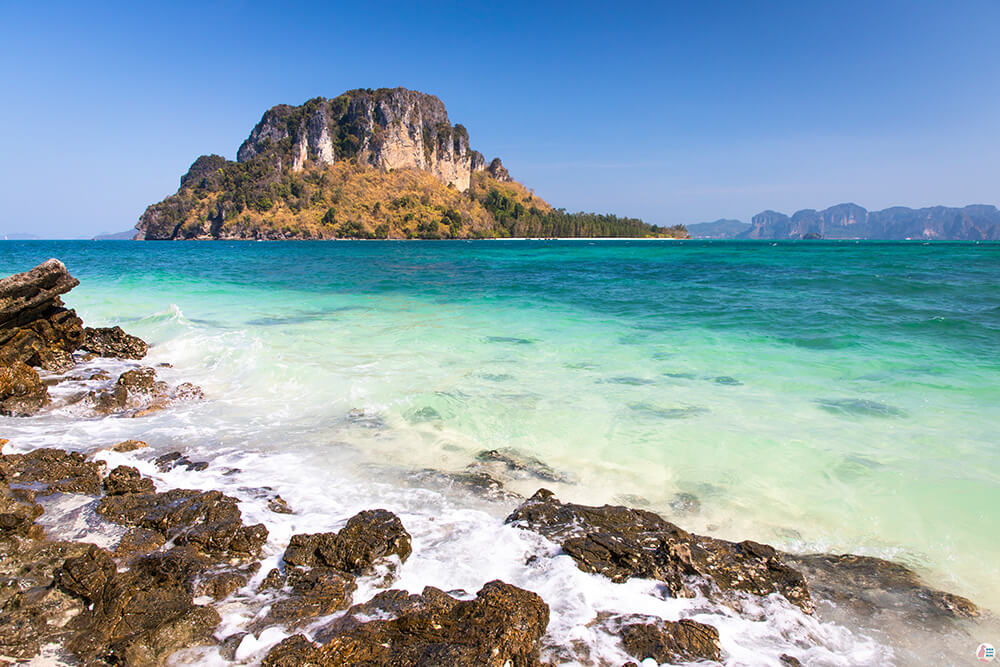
(38, 332)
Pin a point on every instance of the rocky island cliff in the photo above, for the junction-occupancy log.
(374, 164)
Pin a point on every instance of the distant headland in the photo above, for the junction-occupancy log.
(979, 222)
(368, 164)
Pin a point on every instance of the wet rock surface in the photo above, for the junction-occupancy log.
(134, 606)
(623, 543)
(368, 537)
(670, 642)
(35, 327)
(875, 588)
(22, 392)
(46, 471)
(114, 342)
(38, 331)
(501, 626)
(208, 520)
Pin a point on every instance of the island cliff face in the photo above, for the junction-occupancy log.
(383, 163)
(391, 129)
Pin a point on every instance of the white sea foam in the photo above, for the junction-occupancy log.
(278, 421)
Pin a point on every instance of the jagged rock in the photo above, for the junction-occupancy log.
(472, 480)
(500, 627)
(186, 391)
(219, 585)
(136, 617)
(278, 505)
(671, 642)
(137, 389)
(622, 543)
(171, 460)
(22, 392)
(129, 446)
(873, 587)
(789, 661)
(87, 575)
(208, 520)
(400, 128)
(498, 171)
(126, 479)
(35, 327)
(139, 541)
(23, 294)
(368, 537)
(114, 342)
(32, 609)
(52, 471)
(315, 591)
(17, 517)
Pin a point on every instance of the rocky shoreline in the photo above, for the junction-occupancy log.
(175, 556)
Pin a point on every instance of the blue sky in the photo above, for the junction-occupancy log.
(673, 112)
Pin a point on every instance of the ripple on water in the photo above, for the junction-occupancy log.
(627, 380)
(684, 412)
(510, 340)
(859, 407)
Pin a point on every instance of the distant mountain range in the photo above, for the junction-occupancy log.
(979, 222)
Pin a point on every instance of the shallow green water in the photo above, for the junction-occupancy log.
(818, 396)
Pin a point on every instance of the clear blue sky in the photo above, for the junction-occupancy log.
(673, 112)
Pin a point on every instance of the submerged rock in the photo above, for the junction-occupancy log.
(873, 587)
(521, 463)
(114, 342)
(500, 627)
(623, 543)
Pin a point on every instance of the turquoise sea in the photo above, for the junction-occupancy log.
(816, 396)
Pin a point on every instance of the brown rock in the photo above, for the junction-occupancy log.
(873, 588)
(126, 479)
(316, 591)
(671, 642)
(22, 392)
(22, 294)
(16, 516)
(208, 520)
(114, 342)
(137, 389)
(279, 506)
(501, 626)
(622, 543)
(52, 471)
(129, 446)
(368, 538)
(35, 328)
(139, 541)
(219, 585)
